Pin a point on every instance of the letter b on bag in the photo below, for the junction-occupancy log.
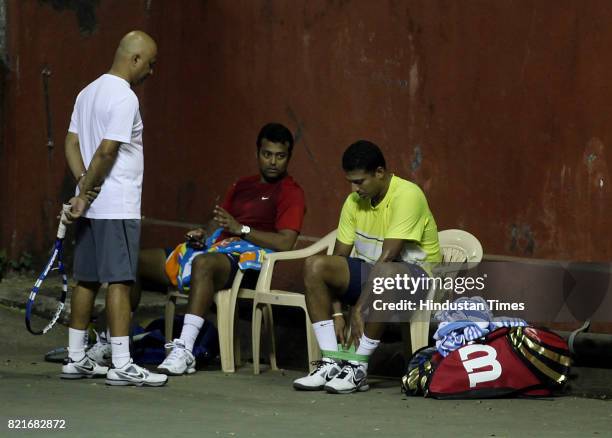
(486, 361)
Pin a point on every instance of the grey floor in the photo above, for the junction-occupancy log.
(213, 404)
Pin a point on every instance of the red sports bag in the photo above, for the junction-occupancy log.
(509, 361)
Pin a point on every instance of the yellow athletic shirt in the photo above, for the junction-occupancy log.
(402, 214)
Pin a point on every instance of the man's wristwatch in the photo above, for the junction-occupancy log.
(244, 230)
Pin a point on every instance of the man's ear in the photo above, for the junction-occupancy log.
(135, 59)
(379, 172)
(289, 150)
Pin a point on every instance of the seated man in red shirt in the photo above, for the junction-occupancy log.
(266, 209)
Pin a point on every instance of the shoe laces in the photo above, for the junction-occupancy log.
(349, 368)
(177, 350)
(318, 364)
(138, 368)
(131, 368)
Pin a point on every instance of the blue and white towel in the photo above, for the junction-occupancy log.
(460, 327)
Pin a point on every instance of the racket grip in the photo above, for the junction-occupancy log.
(61, 229)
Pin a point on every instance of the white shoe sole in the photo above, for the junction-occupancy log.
(301, 387)
(167, 372)
(130, 383)
(361, 388)
(76, 376)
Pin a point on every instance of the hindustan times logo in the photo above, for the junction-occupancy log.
(413, 284)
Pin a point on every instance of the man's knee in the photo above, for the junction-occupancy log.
(386, 269)
(316, 267)
(120, 286)
(206, 264)
(89, 285)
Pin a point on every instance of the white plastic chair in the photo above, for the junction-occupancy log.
(265, 296)
(229, 344)
(457, 247)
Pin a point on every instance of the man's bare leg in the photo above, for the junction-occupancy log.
(118, 316)
(124, 371)
(151, 268)
(376, 322)
(353, 376)
(81, 304)
(325, 277)
(79, 365)
(118, 308)
(209, 273)
(375, 327)
(374, 330)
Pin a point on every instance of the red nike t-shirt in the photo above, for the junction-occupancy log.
(264, 206)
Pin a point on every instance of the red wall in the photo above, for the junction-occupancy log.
(499, 110)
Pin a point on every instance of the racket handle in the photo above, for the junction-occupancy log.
(61, 229)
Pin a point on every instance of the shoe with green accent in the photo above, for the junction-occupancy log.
(352, 378)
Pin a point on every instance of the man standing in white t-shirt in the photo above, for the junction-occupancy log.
(104, 149)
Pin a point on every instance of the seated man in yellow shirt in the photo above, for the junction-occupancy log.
(387, 221)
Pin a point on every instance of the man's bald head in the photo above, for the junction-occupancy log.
(135, 57)
(134, 43)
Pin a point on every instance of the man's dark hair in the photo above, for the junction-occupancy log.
(275, 133)
(363, 155)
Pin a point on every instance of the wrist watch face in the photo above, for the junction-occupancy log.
(245, 229)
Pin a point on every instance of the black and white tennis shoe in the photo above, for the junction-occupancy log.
(134, 375)
(352, 378)
(325, 370)
(80, 369)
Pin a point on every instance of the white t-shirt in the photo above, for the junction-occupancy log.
(108, 109)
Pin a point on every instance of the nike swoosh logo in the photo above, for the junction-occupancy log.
(86, 368)
(265, 198)
(138, 375)
(357, 382)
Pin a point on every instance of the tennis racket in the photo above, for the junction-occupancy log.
(55, 263)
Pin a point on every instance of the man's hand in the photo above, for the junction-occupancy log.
(90, 195)
(226, 220)
(78, 206)
(356, 326)
(195, 238)
(340, 328)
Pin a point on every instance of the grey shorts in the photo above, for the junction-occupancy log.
(106, 250)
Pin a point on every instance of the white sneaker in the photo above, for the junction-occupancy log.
(352, 378)
(180, 360)
(132, 374)
(325, 371)
(101, 351)
(84, 368)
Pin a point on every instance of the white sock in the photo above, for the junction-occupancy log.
(366, 348)
(76, 344)
(121, 350)
(326, 335)
(191, 329)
